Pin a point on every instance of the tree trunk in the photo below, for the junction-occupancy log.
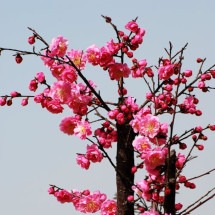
(124, 163)
(169, 200)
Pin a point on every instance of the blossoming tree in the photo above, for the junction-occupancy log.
(144, 142)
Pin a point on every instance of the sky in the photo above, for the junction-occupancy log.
(33, 151)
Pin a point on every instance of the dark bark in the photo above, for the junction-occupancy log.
(124, 163)
(169, 200)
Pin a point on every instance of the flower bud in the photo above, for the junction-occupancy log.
(18, 58)
(31, 40)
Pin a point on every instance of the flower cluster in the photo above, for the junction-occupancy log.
(106, 135)
(85, 201)
(151, 140)
(93, 154)
(125, 111)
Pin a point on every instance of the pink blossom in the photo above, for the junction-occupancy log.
(91, 203)
(51, 190)
(106, 136)
(139, 69)
(58, 46)
(201, 84)
(118, 70)
(136, 122)
(69, 74)
(82, 130)
(63, 196)
(141, 144)
(47, 60)
(131, 104)
(61, 91)
(57, 70)
(109, 207)
(80, 97)
(180, 161)
(31, 40)
(40, 77)
(165, 72)
(187, 73)
(106, 57)
(151, 212)
(149, 125)
(15, 94)
(93, 55)
(33, 85)
(3, 101)
(68, 125)
(39, 98)
(137, 39)
(53, 106)
(164, 128)
(113, 47)
(113, 113)
(93, 153)
(143, 189)
(120, 118)
(154, 159)
(24, 102)
(78, 58)
(178, 206)
(189, 104)
(132, 26)
(83, 161)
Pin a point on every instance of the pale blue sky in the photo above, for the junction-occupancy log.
(33, 152)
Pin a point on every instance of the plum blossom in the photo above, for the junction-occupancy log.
(180, 161)
(139, 69)
(58, 46)
(93, 55)
(106, 57)
(56, 70)
(149, 125)
(78, 58)
(47, 58)
(82, 161)
(61, 91)
(53, 106)
(165, 72)
(118, 70)
(91, 203)
(24, 102)
(3, 101)
(132, 26)
(143, 189)
(69, 74)
(82, 129)
(137, 39)
(154, 159)
(136, 122)
(108, 207)
(33, 85)
(151, 212)
(189, 104)
(141, 144)
(81, 96)
(113, 47)
(93, 153)
(68, 125)
(131, 104)
(63, 196)
(40, 77)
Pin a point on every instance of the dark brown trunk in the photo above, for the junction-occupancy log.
(169, 200)
(124, 163)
